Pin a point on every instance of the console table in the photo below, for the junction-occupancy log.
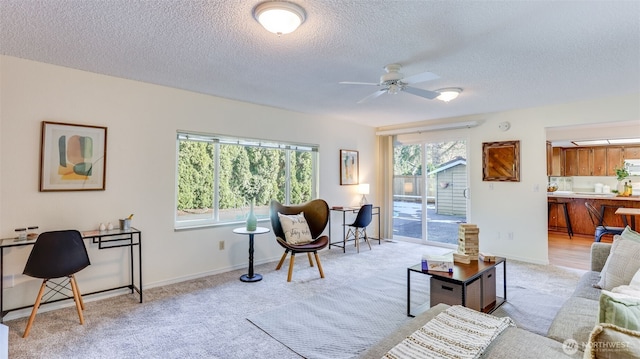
(471, 285)
(344, 211)
(115, 238)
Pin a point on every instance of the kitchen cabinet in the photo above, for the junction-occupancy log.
(585, 162)
(614, 159)
(557, 162)
(599, 161)
(549, 159)
(588, 161)
(580, 221)
(632, 152)
(571, 162)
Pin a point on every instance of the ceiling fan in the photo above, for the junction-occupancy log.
(393, 82)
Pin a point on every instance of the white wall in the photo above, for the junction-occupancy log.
(142, 121)
(520, 208)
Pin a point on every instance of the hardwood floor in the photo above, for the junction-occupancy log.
(574, 252)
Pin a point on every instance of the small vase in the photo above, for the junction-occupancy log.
(252, 221)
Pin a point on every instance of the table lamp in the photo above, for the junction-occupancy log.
(363, 189)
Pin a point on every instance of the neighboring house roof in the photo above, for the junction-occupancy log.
(454, 162)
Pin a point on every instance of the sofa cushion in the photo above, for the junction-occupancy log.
(619, 309)
(295, 228)
(575, 320)
(608, 341)
(587, 286)
(623, 262)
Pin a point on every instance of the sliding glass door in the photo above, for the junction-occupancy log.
(430, 191)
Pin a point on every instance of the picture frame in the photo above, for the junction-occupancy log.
(501, 161)
(349, 167)
(72, 157)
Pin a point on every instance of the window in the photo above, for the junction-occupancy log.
(218, 177)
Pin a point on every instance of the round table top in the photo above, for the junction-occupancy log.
(243, 230)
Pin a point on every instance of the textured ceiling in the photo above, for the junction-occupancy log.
(504, 54)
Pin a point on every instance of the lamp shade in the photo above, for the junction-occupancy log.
(363, 188)
(279, 17)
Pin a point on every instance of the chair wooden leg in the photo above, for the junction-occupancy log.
(78, 289)
(357, 232)
(366, 239)
(35, 309)
(293, 257)
(319, 264)
(310, 260)
(76, 298)
(284, 255)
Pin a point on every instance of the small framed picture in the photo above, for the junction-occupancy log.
(501, 161)
(72, 157)
(349, 167)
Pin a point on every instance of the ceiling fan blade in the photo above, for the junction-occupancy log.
(373, 95)
(422, 93)
(425, 76)
(357, 83)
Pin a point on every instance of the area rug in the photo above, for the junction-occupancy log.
(346, 321)
(535, 293)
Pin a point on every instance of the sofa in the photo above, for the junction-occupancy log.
(568, 334)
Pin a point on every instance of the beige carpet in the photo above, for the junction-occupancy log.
(206, 318)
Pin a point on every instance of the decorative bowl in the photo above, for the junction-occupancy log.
(552, 187)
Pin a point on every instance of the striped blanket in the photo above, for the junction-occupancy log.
(458, 332)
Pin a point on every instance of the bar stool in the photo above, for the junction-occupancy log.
(603, 209)
(567, 219)
(598, 222)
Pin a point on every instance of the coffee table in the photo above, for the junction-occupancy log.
(471, 285)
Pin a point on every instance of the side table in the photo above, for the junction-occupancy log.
(251, 277)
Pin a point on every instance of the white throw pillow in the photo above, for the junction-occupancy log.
(295, 228)
(633, 289)
(623, 261)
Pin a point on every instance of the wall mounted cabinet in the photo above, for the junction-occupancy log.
(588, 161)
(632, 152)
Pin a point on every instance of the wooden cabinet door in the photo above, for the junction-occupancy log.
(549, 159)
(571, 162)
(599, 161)
(585, 162)
(614, 159)
(631, 152)
(557, 162)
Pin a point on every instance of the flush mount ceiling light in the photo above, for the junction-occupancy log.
(448, 94)
(279, 17)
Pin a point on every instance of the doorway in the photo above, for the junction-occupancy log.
(430, 191)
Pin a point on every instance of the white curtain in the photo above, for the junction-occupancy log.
(385, 174)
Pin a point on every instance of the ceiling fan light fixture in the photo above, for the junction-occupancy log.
(279, 17)
(449, 93)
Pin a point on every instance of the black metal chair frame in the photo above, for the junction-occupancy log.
(598, 221)
(567, 219)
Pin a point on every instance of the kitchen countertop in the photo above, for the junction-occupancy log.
(592, 195)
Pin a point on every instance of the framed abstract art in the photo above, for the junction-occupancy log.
(72, 157)
(349, 167)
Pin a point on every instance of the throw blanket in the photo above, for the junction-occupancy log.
(458, 332)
